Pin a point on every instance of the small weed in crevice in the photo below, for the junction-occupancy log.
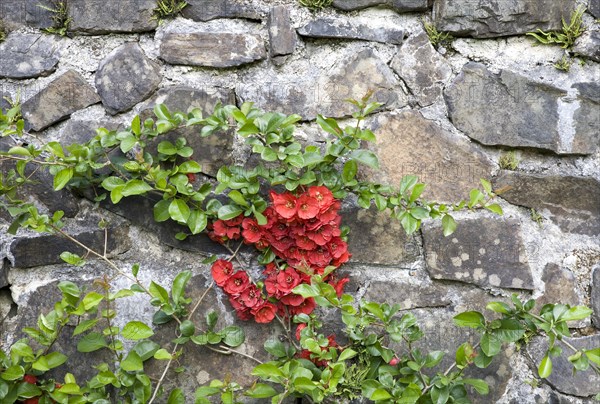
(563, 64)
(60, 18)
(570, 32)
(3, 32)
(436, 37)
(536, 217)
(508, 161)
(315, 5)
(168, 9)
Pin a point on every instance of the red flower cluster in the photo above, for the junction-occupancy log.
(303, 231)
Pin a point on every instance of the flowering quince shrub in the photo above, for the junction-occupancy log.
(287, 208)
(303, 232)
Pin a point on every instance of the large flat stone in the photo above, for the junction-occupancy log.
(422, 68)
(63, 96)
(43, 250)
(126, 77)
(205, 10)
(581, 384)
(595, 293)
(324, 91)
(495, 18)
(594, 8)
(84, 131)
(533, 115)
(408, 295)
(26, 12)
(212, 49)
(377, 239)
(112, 16)
(26, 56)
(282, 37)
(211, 152)
(401, 6)
(4, 266)
(570, 202)
(340, 29)
(486, 251)
(588, 45)
(409, 144)
(560, 286)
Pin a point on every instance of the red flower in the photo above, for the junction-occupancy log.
(33, 400)
(241, 310)
(306, 243)
(394, 361)
(307, 307)
(324, 234)
(251, 232)
(292, 299)
(237, 283)
(221, 271)
(284, 204)
(191, 177)
(331, 213)
(31, 379)
(251, 296)
(228, 228)
(308, 207)
(265, 313)
(320, 256)
(287, 280)
(323, 196)
(337, 247)
(299, 329)
(339, 285)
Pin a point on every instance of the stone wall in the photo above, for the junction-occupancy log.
(449, 113)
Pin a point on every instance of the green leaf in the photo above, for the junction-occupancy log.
(91, 342)
(127, 143)
(275, 348)
(187, 328)
(14, 372)
(490, 344)
(480, 386)
(72, 259)
(407, 182)
(136, 126)
(433, 358)
(350, 170)
(62, 178)
(135, 187)
(179, 210)
(162, 112)
(136, 330)
(237, 197)
(85, 325)
(440, 395)
(132, 362)
(347, 354)
(162, 354)
(365, 157)
(146, 349)
(448, 225)
(495, 208)
(380, 395)
(267, 371)
(576, 313)
(197, 221)
(161, 210)
(329, 125)
(69, 288)
(261, 390)
(509, 330)
(167, 148)
(189, 167)
(593, 355)
(472, 319)
(545, 367)
(92, 300)
(176, 397)
(498, 307)
(179, 284)
(233, 336)
(110, 183)
(227, 212)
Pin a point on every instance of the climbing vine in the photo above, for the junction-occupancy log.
(286, 206)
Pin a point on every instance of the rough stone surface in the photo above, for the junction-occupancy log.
(407, 144)
(43, 191)
(63, 96)
(377, 239)
(486, 252)
(582, 384)
(401, 6)
(570, 202)
(83, 131)
(588, 45)
(535, 115)
(212, 151)
(4, 104)
(125, 77)
(30, 252)
(407, 295)
(282, 37)
(103, 17)
(495, 18)
(5, 303)
(422, 68)
(212, 49)
(336, 28)
(325, 93)
(205, 10)
(29, 55)
(26, 12)
(560, 286)
(594, 8)
(4, 275)
(596, 296)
